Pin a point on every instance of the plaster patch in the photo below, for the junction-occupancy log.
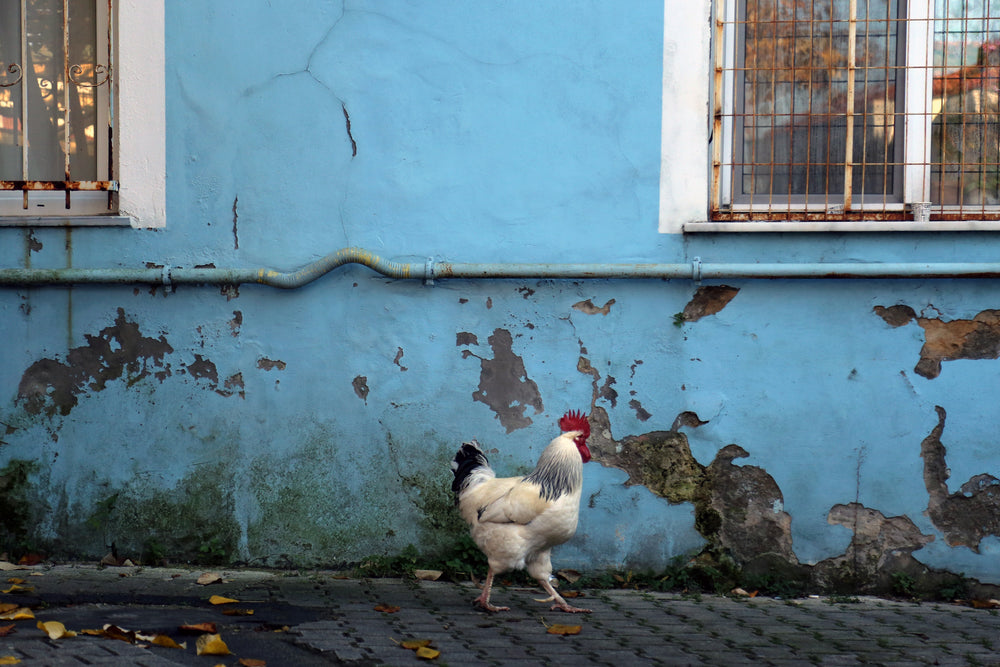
(360, 384)
(708, 300)
(978, 338)
(589, 308)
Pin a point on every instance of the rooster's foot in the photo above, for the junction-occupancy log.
(486, 606)
(570, 609)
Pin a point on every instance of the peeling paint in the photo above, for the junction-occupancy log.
(49, 386)
(589, 308)
(971, 513)
(466, 338)
(708, 300)
(504, 384)
(978, 338)
(236, 323)
(360, 384)
(399, 355)
(270, 364)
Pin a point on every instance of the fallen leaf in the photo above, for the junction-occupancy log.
(211, 645)
(6, 629)
(414, 644)
(114, 632)
(428, 575)
(7, 606)
(15, 580)
(209, 578)
(9, 660)
(573, 594)
(572, 576)
(30, 559)
(19, 589)
(167, 642)
(387, 608)
(218, 599)
(251, 662)
(985, 604)
(560, 629)
(93, 633)
(427, 653)
(55, 629)
(739, 592)
(199, 628)
(237, 612)
(7, 565)
(17, 614)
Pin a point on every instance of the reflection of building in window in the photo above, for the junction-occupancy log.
(855, 109)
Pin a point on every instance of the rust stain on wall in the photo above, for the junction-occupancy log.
(50, 386)
(504, 384)
(967, 515)
(978, 338)
(708, 300)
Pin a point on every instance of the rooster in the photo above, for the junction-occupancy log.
(516, 521)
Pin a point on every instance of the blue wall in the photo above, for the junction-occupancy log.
(315, 426)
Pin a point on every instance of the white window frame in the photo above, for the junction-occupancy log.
(685, 198)
(139, 139)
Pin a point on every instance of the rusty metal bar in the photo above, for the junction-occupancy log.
(852, 36)
(59, 185)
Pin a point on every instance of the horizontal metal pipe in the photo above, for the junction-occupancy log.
(431, 270)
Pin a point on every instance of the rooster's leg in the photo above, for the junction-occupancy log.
(560, 603)
(484, 598)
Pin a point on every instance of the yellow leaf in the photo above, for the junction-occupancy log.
(387, 608)
(15, 580)
(218, 599)
(211, 645)
(414, 644)
(7, 606)
(427, 653)
(16, 588)
(560, 629)
(237, 612)
(8, 660)
(17, 614)
(167, 642)
(251, 662)
(55, 629)
(209, 578)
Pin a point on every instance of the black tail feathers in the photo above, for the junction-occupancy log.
(468, 458)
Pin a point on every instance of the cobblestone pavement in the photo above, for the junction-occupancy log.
(319, 618)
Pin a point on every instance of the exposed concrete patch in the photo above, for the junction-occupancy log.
(978, 338)
(880, 547)
(399, 355)
(49, 386)
(708, 300)
(504, 384)
(750, 507)
(738, 509)
(968, 515)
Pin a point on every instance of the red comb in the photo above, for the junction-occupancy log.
(575, 420)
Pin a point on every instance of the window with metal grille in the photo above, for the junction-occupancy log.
(56, 115)
(856, 110)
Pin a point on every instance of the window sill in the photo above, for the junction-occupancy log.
(844, 226)
(68, 221)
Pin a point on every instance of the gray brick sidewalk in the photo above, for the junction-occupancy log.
(319, 618)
